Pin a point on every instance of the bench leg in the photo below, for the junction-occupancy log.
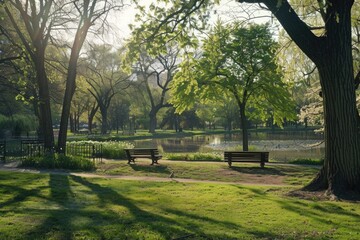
(131, 160)
(262, 164)
(229, 163)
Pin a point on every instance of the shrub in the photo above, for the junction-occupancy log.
(17, 124)
(308, 161)
(194, 156)
(59, 161)
(111, 149)
(115, 149)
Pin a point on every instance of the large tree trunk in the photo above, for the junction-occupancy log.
(44, 101)
(71, 83)
(341, 171)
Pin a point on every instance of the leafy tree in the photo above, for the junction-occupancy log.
(331, 52)
(33, 23)
(105, 78)
(88, 13)
(239, 62)
(156, 73)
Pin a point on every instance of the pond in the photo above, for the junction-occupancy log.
(283, 146)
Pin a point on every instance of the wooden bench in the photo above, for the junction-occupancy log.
(152, 153)
(261, 157)
(2, 151)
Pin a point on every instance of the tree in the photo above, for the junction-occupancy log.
(89, 11)
(331, 51)
(239, 62)
(105, 78)
(156, 73)
(33, 23)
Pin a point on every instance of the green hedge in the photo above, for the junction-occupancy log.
(59, 161)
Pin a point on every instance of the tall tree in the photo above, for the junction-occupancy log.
(156, 73)
(105, 78)
(239, 61)
(88, 12)
(33, 22)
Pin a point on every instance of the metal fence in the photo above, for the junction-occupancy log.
(32, 147)
(87, 150)
(2, 151)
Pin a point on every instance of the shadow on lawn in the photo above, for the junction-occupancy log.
(258, 170)
(150, 168)
(142, 220)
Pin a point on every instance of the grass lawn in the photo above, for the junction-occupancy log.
(55, 206)
(215, 171)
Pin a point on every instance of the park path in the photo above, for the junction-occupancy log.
(12, 167)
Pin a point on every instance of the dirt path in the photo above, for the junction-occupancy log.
(12, 167)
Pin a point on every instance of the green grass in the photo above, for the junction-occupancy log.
(217, 171)
(50, 206)
(194, 156)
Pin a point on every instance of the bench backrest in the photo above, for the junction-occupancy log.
(246, 156)
(142, 151)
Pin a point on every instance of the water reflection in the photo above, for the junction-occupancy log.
(282, 145)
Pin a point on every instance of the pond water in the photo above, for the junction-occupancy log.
(283, 146)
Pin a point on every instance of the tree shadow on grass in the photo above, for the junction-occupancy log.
(150, 168)
(162, 225)
(258, 170)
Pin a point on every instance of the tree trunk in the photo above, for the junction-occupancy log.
(104, 125)
(153, 121)
(44, 100)
(341, 171)
(244, 128)
(91, 116)
(72, 124)
(71, 83)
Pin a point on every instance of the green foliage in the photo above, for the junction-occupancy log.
(302, 161)
(194, 156)
(162, 23)
(237, 62)
(17, 124)
(59, 161)
(115, 150)
(111, 149)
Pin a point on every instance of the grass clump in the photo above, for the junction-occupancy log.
(194, 156)
(308, 161)
(59, 161)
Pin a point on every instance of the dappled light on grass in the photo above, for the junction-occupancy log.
(52, 206)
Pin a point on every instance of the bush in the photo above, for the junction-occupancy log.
(59, 161)
(308, 161)
(115, 149)
(17, 124)
(110, 149)
(194, 156)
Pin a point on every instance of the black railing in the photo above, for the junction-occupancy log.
(87, 150)
(2, 151)
(32, 147)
